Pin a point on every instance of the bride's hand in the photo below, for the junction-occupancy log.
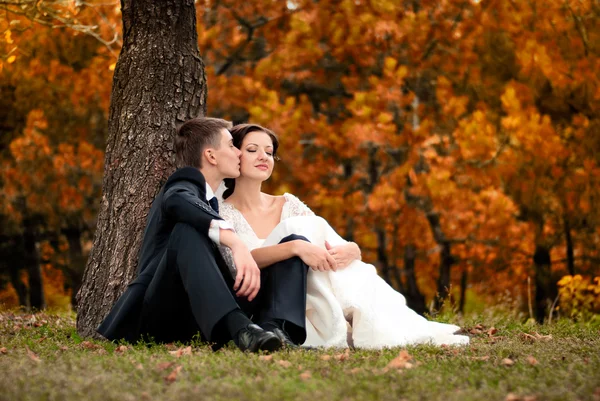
(315, 257)
(344, 254)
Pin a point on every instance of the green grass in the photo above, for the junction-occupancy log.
(43, 358)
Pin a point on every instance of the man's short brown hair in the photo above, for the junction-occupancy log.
(194, 136)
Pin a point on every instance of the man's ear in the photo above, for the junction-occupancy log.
(210, 156)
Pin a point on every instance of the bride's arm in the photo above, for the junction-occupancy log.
(275, 253)
(314, 256)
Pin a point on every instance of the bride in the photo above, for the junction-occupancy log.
(347, 302)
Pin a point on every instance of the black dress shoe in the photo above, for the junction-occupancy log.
(253, 338)
(284, 338)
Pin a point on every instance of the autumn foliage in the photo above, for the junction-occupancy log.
(455, 141)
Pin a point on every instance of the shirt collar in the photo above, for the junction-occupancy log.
(209, 192)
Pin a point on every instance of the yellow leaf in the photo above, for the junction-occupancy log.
(11, 59)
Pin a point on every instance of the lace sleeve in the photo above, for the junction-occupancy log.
(295, 207)
(228, 214)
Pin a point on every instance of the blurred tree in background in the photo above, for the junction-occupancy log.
(457, 141)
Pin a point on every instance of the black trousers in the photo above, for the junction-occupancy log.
(192, 290)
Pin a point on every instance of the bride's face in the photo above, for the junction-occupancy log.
(257, 156)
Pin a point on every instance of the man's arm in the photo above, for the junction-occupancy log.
(181, 202)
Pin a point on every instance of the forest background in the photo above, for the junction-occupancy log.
(457, 142)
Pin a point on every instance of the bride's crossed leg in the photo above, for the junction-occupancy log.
(378, 314)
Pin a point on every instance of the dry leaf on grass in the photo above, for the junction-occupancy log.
(507, 362)
(139, 366)
(355, 371)
(101, 351)
(121, 349)
(325, 357)
(531, 360)
(32, 355)
(536, 336)
(90, 345)
(480, 358)
(305, 375)
(171, 377)
(265, 358)
(285, 364)
(182, 351)
(401, 361)
(492, 331)
(3, 350)
(344, 356)
(63, 348)
(164, 365)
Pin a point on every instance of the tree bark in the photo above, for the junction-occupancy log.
(159, 83)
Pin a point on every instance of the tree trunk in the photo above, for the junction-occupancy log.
(382, 255)
(37, 300)
(18, 284)
(463, 290)
(414, 299)
(569, 240)
(545, 288)
(77, 260)
(158, 84)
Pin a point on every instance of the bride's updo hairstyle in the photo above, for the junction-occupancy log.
(238, 133)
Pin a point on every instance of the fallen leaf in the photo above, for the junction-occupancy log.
(355, 371)
(182, 351)
(530, 398)
(305, 375)
(507, 362)
(164, 365)
(481, 358)
(285, 364)
(401, 361)
(542, 337)
(531, 360)
(3, 350)
(101, 351)
(344, 356)
(121, 349)
(32, 355)
(512, 397)
(89, 345)
(63, 348)
(265, 357)
(139, 366)
(325, 357)
(171, 377)
(492, 331)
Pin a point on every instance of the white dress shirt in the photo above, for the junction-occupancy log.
(216, 225)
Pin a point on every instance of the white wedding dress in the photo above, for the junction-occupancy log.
(352, 306)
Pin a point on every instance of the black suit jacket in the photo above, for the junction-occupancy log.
(181, 200)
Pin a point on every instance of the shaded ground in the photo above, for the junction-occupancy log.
(42, 358)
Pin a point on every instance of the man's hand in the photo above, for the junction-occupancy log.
(247, 279)
(343, 254)
(315, 257)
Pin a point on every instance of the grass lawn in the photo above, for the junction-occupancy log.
(43, 358)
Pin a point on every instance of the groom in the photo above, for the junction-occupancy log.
(183, 286)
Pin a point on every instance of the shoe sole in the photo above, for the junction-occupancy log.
(270, 345)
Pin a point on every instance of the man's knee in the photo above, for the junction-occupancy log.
(293, 237)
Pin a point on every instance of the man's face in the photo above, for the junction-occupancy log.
(228, 156)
